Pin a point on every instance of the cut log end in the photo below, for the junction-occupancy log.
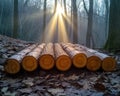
(94, 63)
(80, 60)
(12, 66)
(109, 64)
(29, 63)
(63, 63)
(46, 62)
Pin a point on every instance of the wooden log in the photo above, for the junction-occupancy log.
(46, 60)
(29, 62)
(63, 61)
(93, 61)
(108, 63)
(12, 64)
(79, 59)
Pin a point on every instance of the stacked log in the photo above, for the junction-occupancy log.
(29, 62)
(12, 65)
(64, 54)
(46, 60)
(63, 61)
(93, 61)
(108, 63)
(79, 58)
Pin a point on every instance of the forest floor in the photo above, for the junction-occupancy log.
(75, 82)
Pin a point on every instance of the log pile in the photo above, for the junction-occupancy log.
(63, 55)
(93, 61)
(63, 61)
(29, 62)
(13, 64)
(107, 63)
(46, 59)
(79, 58)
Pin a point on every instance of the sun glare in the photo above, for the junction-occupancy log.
(59, 10)
(56, 28)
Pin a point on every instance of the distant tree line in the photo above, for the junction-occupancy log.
(94, 23)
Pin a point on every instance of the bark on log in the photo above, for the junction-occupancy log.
(108, 63)
(93, 61)
(29, 62)
(12, 64)
(46, 60)
(79, 59)
(63, 61)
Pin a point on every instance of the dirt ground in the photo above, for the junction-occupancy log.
(75, 82)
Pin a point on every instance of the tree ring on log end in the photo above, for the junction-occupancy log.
(46, 62)
(12, 66)
(63, 63)
(80, 60)
(94, 63)
(108, 64)
(29, 63)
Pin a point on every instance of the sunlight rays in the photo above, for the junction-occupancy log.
(56, 28)
(50, 30)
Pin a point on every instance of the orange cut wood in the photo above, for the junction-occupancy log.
(79, 59)
(46, 60)
(108, 63)
(29, 62)
(63, 61)
(13, 64)
(93, 61)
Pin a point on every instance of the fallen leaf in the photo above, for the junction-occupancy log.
(4, 89)
(73, 77)
(25, 90)
(99, 87)
(55, 91)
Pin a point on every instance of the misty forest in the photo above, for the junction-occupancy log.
(59, 47)
(94, 23)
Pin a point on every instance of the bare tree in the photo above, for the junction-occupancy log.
(55, 6)
(74, 21)
(113, 42)
(65, 8)
(106, 16)
(89, 37)
(44, 16)
(16, 19)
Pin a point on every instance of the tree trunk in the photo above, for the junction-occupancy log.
(12, 65)
(106, 17)
(113, 42)
(44, 17)
(63, 61)
(75, 21)
(46, 60)
(64, 17)
(1, 15)
(55, 6)
(89, 37)
(44, 20)
(79, 59)
(29, 62)
(16, 19)
(65, 8)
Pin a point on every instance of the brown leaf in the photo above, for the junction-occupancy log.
(99, 87)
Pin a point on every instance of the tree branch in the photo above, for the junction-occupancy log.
(85, 7)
